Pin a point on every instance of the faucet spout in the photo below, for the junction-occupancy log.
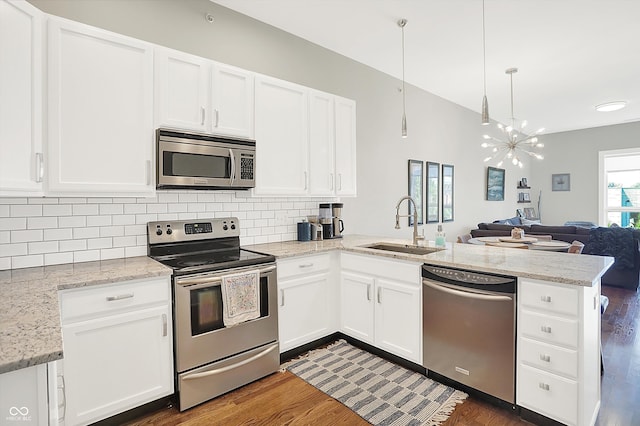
(415, 217)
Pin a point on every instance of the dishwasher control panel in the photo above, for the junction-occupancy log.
(469, 278)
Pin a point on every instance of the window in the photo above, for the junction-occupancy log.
(621, 186)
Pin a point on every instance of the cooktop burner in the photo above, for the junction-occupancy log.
(215, 260)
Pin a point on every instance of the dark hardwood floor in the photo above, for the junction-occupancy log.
(284, 399)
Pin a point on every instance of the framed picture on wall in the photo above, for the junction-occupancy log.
(561, 182)
(447, 193)
(416, 189)
(495, 184)
(433, 193)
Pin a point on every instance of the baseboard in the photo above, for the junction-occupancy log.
(135, 413)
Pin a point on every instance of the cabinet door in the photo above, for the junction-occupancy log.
(23, 396)
(356, 306)
(345, 147)
(321, 144)
(233, 101)
(20, 99)
(181, 88)
(281, 138)
(100, 112)
(116, 363)
(303, 310)
(398, 319)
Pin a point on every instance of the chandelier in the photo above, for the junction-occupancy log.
(515, 144)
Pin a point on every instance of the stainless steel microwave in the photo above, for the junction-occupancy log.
(202, 161)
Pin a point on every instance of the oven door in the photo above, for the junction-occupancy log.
(200, 334)
(220, 165)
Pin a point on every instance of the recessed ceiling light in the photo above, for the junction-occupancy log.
(611, 106)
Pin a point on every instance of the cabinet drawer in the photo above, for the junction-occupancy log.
(549, 357)
(109, 298)
(548, 394)
(303, 265)
(378, 266)
(554, 298)
(549, 328)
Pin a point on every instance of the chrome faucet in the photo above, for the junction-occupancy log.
(416, 237)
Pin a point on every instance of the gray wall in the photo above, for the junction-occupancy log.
(439, 130)
(576, 153)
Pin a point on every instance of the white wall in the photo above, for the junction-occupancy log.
(439, 131)
(576, 153)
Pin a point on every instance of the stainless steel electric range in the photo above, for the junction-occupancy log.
(211, 358)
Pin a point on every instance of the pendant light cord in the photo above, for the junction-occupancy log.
(403, 92)
(484, 54)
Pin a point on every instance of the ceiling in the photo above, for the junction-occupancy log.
(571, 54)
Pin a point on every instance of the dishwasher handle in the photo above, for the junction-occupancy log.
(468, 294)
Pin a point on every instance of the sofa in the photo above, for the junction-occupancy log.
(621, 243)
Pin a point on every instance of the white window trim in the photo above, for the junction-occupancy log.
(602, 182)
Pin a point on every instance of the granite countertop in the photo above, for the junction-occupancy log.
(565, 268)
(30, 330)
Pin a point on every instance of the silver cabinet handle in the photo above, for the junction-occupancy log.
(306, 180)
(546, 299)
(39, 167)
(62, 404)
(148, 170)
(119, 297)
(339, 181)
(369, 292)
(233, 166)
(379, 291)
(305, 265)
(164, 325)
(545, 329)
(217, 121)
(545, 358)
(543, 386)
(331, 180)
(281, 297)
(202, 115)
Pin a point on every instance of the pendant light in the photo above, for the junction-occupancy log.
(485, 104)
(401, 24)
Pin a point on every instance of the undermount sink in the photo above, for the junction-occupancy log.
(402, 248)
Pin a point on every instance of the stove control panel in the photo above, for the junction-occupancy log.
(172, 231)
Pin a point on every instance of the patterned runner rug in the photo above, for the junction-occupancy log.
(379, 391)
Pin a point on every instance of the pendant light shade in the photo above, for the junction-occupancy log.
(485, 104)
(401, 24)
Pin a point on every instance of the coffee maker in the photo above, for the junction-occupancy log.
(330, 217)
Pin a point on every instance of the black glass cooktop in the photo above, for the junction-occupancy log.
(213, 260)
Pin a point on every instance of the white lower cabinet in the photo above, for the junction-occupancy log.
(117, 348)
(381, 304)
(306, 299)
(27, 396)
(558, 351)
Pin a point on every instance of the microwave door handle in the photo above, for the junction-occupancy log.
(233, 166)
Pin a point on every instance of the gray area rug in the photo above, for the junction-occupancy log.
(379, 391)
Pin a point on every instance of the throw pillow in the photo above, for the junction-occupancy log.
(530, 222)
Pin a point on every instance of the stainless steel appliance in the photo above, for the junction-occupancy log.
(469, 323)
(338, 224)
(201, 161)
(210, 358)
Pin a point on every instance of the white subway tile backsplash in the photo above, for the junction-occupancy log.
(27, 261)
(72, 221)
(42, 222)
(37, 231)
(26, 236)
(43, 247)
(57, 210)
(85, 209)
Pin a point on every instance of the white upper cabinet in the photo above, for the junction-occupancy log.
(281, 138)
(321, 143)
(233, 101)
(345, 146)
(100, 103)
(21, 160)
(181, 89)
(194, 93)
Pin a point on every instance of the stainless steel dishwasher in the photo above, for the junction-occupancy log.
(469, 328)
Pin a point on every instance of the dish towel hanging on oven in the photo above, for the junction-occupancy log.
(240, 297)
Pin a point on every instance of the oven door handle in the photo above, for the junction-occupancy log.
(229, 367)
(465, 293)
(204, 281)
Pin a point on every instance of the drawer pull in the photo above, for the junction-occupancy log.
(369, 292)
(546, 299)
(119, 297)
(545, 329)
(282, 297)
(164, 325)
(305, 265)
(544, 386)
(545, 358)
